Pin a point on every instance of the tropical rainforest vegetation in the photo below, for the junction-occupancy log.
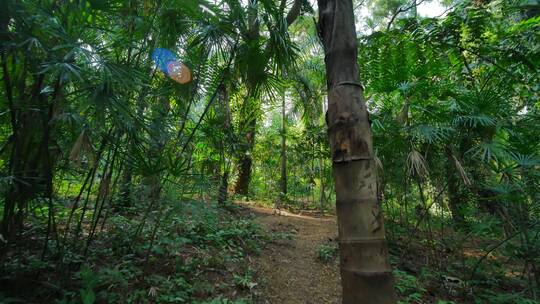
(121, 184)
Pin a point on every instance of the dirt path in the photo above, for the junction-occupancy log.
(288, 270)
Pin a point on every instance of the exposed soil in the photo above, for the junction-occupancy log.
(288, 269)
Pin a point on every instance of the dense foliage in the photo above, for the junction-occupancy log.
(117, 183)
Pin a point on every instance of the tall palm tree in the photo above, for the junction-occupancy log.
(366, 274)
(261, 58)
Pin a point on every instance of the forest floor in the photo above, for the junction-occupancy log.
(288, 269)
(300, 263)
(244, 253)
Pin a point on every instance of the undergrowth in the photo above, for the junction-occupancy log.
(327, 252)
(198, 255)
(438, 268)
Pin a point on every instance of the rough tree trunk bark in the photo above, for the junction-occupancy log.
(244, 164)
(366, 274)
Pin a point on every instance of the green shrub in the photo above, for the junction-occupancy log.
(327, 252)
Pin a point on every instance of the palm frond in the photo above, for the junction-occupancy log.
(461, 171)
(416, 164)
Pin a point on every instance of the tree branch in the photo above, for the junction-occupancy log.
(359, 4)
(400, 10)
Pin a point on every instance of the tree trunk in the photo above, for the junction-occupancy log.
(222, 191)
(226, 117)
(245, 160)
(322, 195)
(254, 73)
(366, 274)
(29, 164)
(244, 174)
(283, 180)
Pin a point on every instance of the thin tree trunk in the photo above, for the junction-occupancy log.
(322, 195)
(366, 274)
(283, 179)
(226, 114)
